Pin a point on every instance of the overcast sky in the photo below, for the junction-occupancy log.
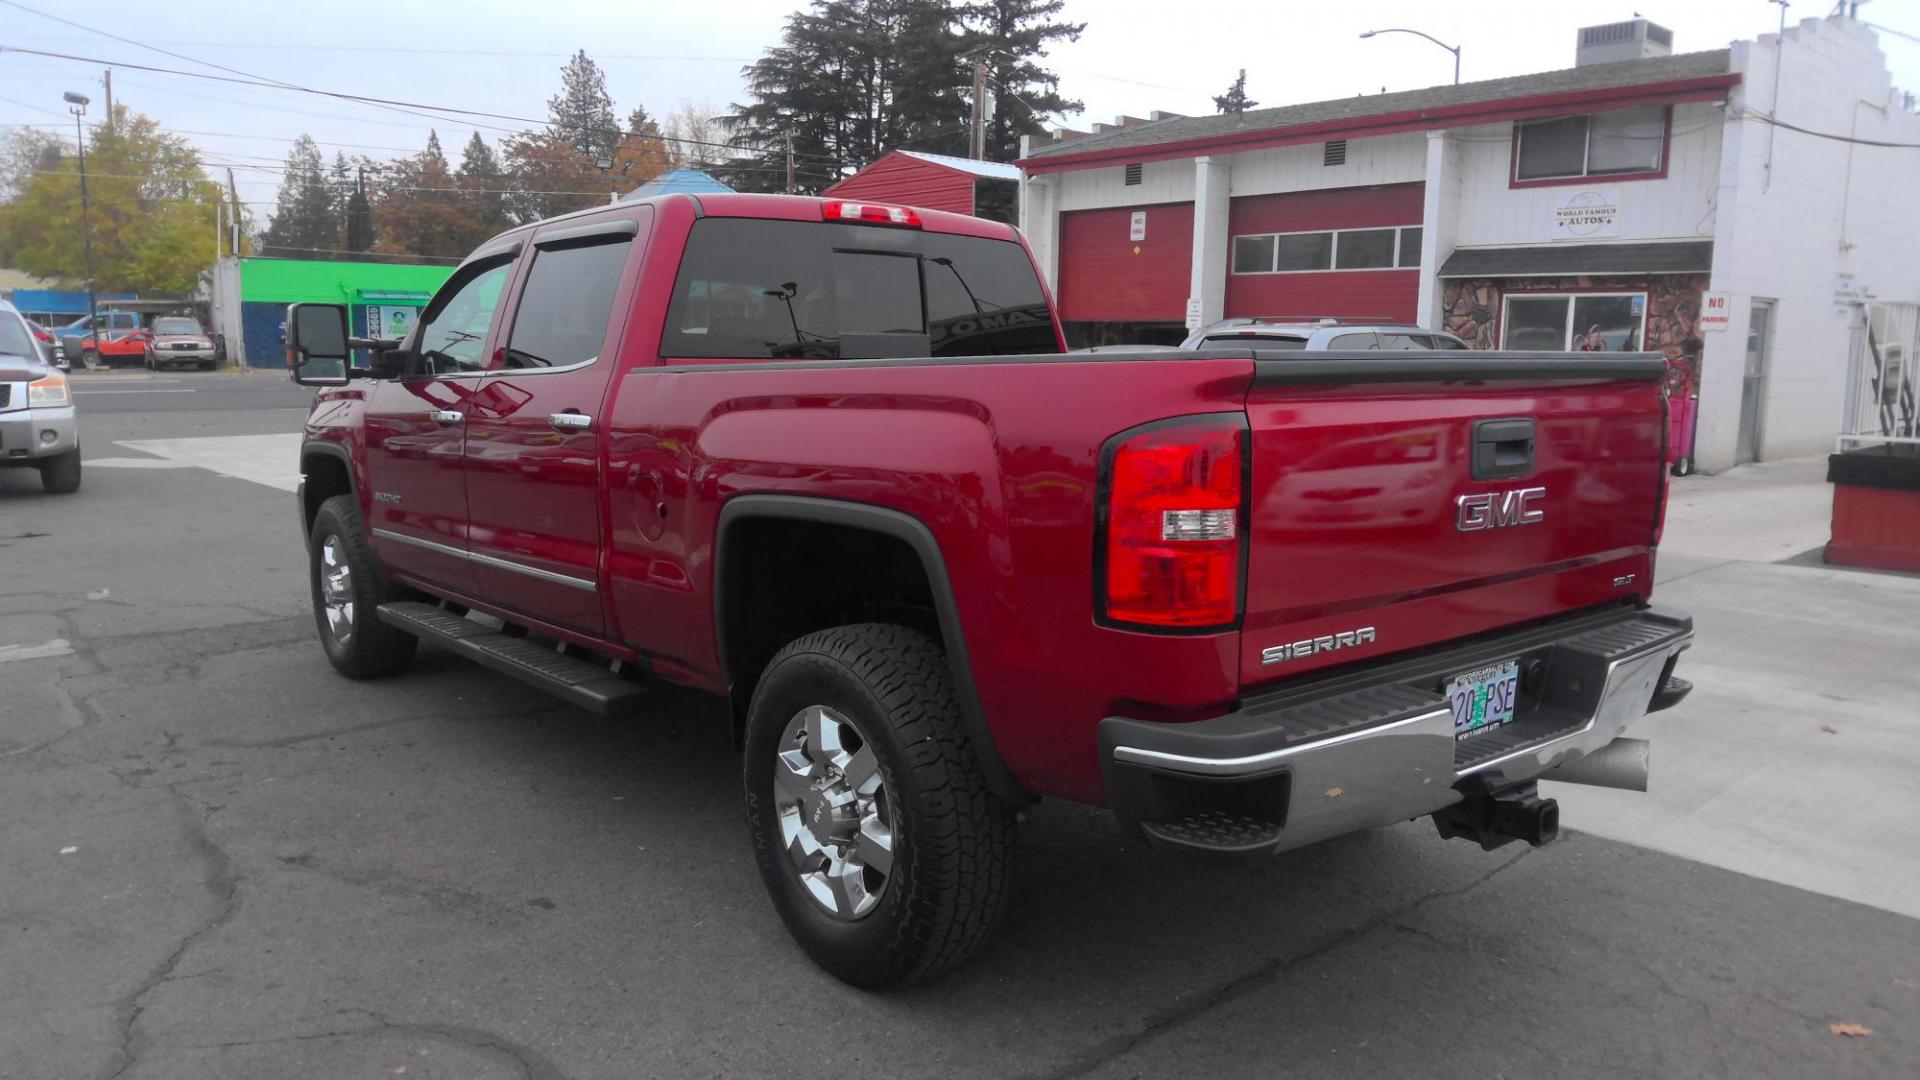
(503, 56)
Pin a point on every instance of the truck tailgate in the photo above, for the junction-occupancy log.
(1375, 529)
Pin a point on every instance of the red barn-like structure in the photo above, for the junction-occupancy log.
(937, 182)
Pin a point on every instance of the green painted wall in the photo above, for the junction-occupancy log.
(288, 281)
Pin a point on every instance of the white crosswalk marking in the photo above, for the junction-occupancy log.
(273, 460)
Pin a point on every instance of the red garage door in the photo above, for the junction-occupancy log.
(1344, 252)
(1107, 276)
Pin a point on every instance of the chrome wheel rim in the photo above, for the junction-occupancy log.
(336, 590)
(836, 824)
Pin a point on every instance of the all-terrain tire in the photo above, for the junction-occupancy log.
(952, 841)
(61, 475)
(369, 648)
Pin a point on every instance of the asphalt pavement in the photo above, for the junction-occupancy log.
(219, 859)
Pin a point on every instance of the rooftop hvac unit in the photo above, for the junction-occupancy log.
(1635, 39)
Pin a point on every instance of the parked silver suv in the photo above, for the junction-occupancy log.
(1292, 332)
(37, 425)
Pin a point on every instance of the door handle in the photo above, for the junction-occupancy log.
(570, 421)
(1502, 449)
(447, 416)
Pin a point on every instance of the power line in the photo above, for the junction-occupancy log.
(1752, 114)
(365, 99)
(418, 51)
(182, 56)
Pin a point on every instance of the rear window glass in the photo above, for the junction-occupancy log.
(1263, 341)
(790, 290)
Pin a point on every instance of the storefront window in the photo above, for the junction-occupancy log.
(1576, 322)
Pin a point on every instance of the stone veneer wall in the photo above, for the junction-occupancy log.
(1470, 310)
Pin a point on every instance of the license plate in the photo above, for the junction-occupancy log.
(1483, 699)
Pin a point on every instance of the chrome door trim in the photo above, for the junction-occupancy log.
(490, 560)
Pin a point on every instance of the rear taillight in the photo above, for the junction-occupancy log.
(1173, 523)
(870, 214)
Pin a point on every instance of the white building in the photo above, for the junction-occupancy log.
(1772, 185)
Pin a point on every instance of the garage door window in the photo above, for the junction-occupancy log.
(1318, 252)
(1575, 322)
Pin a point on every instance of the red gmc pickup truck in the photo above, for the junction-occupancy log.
(830, 460)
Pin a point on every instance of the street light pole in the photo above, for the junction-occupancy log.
(77, 105)
(1454, 49)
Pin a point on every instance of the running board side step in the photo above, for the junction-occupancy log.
(590, 686)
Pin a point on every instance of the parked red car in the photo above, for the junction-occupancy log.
(829, 461)
(116, 348)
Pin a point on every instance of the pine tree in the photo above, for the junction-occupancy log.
(304, 223)
(423, 212)
(480, 176)
(1014, 35)
(359, 216)
(582, 112)
(849, 81)
(641, 124)
(1235, 100)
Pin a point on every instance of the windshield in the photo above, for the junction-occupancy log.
(753, 289)
(176, 326)
(14, 338)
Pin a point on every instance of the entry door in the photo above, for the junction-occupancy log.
(1753, 387)
(416, 431)
(535, 435)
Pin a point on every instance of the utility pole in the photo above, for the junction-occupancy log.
(233, 218)
(789, 163)
(977, 144)
(77, 105)
(109, 82)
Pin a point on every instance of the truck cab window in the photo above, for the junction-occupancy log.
(565, 307)
(788, 290)
(453, 336)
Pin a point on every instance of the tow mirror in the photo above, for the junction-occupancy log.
(317, 350)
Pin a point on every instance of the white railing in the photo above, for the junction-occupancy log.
(1883, 376)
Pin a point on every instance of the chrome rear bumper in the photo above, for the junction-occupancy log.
(1376, 746)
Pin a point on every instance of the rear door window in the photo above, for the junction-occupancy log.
(1353, 341)
(793, 290)
(567, 303)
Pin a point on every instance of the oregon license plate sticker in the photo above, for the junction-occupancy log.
(1483, 699)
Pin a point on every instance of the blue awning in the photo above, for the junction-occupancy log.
(59, 301)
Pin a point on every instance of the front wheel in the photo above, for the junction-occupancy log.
(878, 841)
(89, 359)
(347, 586)
(61, 475)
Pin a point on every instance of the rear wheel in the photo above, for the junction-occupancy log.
(878, 841)
(348, 585)
(61, 475)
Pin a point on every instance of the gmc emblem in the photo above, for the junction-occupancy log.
(1498, 509)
